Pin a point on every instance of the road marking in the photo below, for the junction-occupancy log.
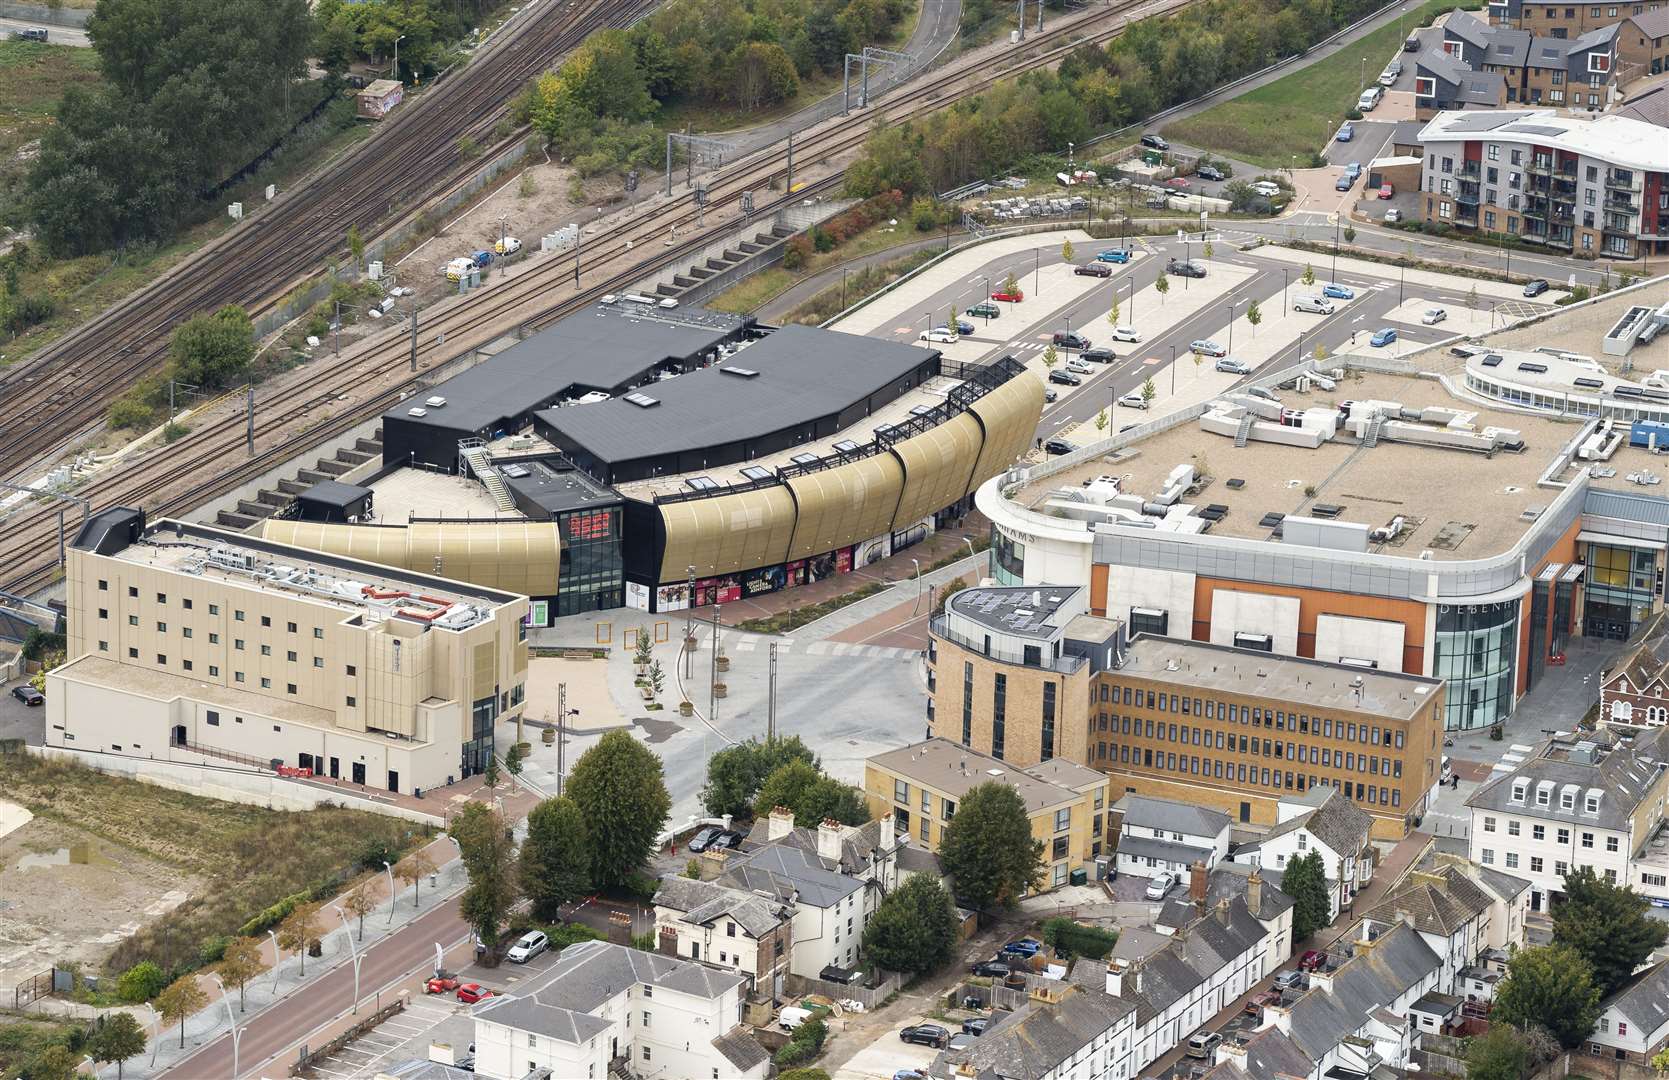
(1152, 360)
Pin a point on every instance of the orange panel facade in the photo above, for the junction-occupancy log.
(1316, 602)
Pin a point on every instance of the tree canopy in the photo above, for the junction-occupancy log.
(914, 928)
(813, 797)
(1552, 987)
(735, 773)
(1305, 880)
(1609, 925)
(488, 854)
(988, 849)
(213, 350)
(1498, 1054)
(622, 796)
(555, 862)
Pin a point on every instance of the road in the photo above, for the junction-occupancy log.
(55, 35)
(271, 1033)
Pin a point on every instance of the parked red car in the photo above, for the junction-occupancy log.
(470, 993)
(1009, 297)
(1386, 191)
(1312, 960)
(1177, 182)
(441, 984)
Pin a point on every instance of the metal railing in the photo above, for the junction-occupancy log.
(939, 625)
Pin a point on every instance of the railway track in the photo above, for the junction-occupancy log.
(367, 380)
(54, 396)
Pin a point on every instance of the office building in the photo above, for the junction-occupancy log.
(919, 788)
(188, 643)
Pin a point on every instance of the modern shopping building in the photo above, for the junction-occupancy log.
(1589, 187)
(631, 452)
(1459, 528)
(193, 644)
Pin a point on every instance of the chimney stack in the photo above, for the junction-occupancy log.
(1254, 893)
(828, 840)
(1197, 882)
(889, 836)
(780, 824)
(620, 928)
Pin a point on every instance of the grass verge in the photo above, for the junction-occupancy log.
(793, 620)
(1294, 116)
(249, 857)
(753, 292)
(33, 77)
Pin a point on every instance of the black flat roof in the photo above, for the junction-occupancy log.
(336, 493)
(791, 377)
(555, 486)
(605, 347)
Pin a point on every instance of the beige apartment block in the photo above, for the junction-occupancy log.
(191, 644)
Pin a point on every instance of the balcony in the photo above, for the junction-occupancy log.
(1622, 181)
(939, 626)
(1468, 170)
(1621, 203)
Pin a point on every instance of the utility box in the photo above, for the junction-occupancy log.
(379, 99)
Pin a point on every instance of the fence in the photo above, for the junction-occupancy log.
(36, 986)
(309, 1058)
(870, 997)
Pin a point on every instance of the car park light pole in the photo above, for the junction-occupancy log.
(1173, 369)
(1284, 308)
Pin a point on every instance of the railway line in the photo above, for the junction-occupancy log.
(373, 375)
(55, 395)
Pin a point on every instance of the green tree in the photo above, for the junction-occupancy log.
(1011, 284)
(1550, 986)
(1349, 234)
(555, 862)
(1066, 250)
(1305, 881)
(891, 161)
(988, 850)
(299, 932)
(1472, 298)
(1254, 316)
(620, 791)
(141, 982)
(488, 854)
(1101, 421)
(914, 928)
(513, 760)
(1112, 314)
(1162, 285)
(1498, 1054)
(735, 773)
(213, 350)
(54, 1063)
(1308, 276)
(1149, 391)
(414, 868)
(812, 796)
(179, 1000)
(1050, 356)
(1660, 1062)
(489, 775)
(116, 1037)
(1609, 925)
(241, 962)
(762, 74)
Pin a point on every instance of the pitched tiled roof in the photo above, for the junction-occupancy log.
(1372, 978)
(1040, 1035)
(1621, 773)
(1186, 818)
(1229, 880)
(1337, 822)
(1270, 1055)
(857, 845)
(1644, 1000)
(783, 870)
(741, 1049)
(1440, 902)
(702, 902)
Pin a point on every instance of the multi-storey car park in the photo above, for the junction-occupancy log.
(1447, 527)
(671, 445)
(197, 645)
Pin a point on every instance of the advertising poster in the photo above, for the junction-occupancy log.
(843, 560)
(539, 613)
(766, 579)
(672, 597)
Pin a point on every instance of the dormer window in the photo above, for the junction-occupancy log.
(1590, 805)
(1567, 800)
(1519, 787)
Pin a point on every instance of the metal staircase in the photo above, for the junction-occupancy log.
(1245, 431)
(473, 456)
(1370, 437)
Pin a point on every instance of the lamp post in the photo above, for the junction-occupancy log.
(353, 951)
(844, 272)
(1335, 248)
(232, 1019)
(917, 606)
(1284, 308)
(689, 627)
(1362, 83)
(156, 1025)
(277, 958)
(1037, 262)
(388, 869)
(970, 543)
(397, 41)
(1173, 369)
(1231, 327)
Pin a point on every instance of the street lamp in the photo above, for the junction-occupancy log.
(156, 1024)
(1363, 82)
(397, 41)
(1231, 327)
(917, 606)
(390, 871)
(353, 951)
(1284, 308)
(232, 1019)
(277, 958)
(1173, 369)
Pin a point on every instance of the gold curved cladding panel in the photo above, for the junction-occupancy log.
(1010, 414)
(727, 533)
(937, 464)
(513, 556)
(845, 504)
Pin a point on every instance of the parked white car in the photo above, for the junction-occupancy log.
(1078, 367)
(938, 337)
(527, 946)
(508, 246)
(1126, 333)
(1133, 400)
(1159, 886)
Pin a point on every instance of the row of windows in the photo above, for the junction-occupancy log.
(1510, 860)
(1254, 745)
(1539, 832)
(214, 609)
(1241, 773)
(214, 670)
(1255, 716)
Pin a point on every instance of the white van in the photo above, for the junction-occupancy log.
(1314, 304)
(1370, 98)
(792, 1017)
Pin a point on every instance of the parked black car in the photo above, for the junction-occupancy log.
(28, 695)
(1101, 355)
(1536, 287)
(992, 969)
(704, 839)
(1185, 268)
(975, 1027)
(1058, 446)
(1155, 142)
(1065, 378)
(1209, 172)
(925, 1035)
(1094, 269)
(1071, 341)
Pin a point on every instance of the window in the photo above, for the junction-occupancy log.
(351, 701)
(214, 671)
(290, 687)
(1611, 843)
(214, 609)
(901, 792)
(161, 659)
(186, 631)
(646, 1023)
(237, 615)
(1535, 864)
(266, 683)
(133, 591)
(292, 627)
(187, 603)
(352, 671)
(1512, 828)
(1512, 860)
(1538, 832)
(1590, 805)
(104, 613)
(214, 638)
(237, 676)
(104, 646)
(266, 620)
(318, 632)
(104, 586)
(1564, 836)
(133, 620)
(1622, 1027)
(1488, 857)
(266, 650)
(1489, 824)
(1063, 819)
(1587, 839)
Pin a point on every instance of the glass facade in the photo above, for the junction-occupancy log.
(1476, 654)
(479, 750)
(1008, 559)
(1618, 591)
(593, 574)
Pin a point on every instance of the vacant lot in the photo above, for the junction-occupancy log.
(1296, 115)
(145, 842)
(33, 77)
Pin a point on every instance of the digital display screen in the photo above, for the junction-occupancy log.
(593, 526)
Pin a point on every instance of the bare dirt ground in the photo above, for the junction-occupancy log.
(532, 202)
(66, 896)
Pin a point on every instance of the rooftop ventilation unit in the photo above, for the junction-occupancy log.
(436, 402)
(642, 401)
(740, 372)
(417, 410)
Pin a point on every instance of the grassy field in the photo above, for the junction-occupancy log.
(764, 286)
(1296, 115)
(250, 856)
(32, 79)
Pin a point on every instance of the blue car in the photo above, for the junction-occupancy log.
(1383, 338)
(1338, 292)
(1113, 255)
(1346, 132)
(1023, 947)
(1354, 169)
(963, 326)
